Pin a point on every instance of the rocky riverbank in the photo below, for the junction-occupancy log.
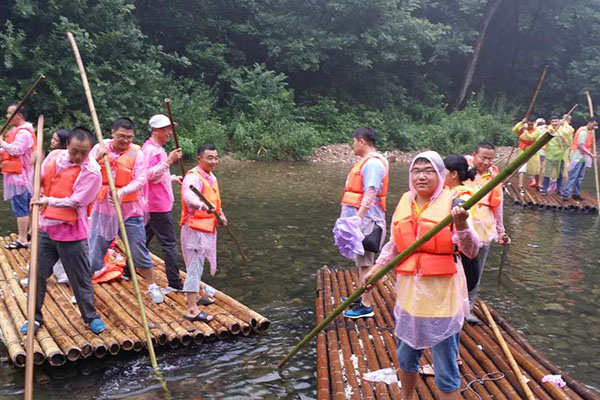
(342, 153)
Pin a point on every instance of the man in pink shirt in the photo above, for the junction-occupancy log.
(70, 181)
(159, 195)
(128, 168)
(15, 151)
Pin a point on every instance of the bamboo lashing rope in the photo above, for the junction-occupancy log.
(31, 292)
(513, 166)
(33, 88)
(593, 133)
(117, 205)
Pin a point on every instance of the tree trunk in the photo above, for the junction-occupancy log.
(490, 9)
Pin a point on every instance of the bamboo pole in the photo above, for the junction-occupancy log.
(31, 291)
(33, 88)
(322, 364)
(591, 107)
(175, 140)
(11, 337)
(513, 166)
(529, 109)
(211, 208)
(117, 204)
(507, 352)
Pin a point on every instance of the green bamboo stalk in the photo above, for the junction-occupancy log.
(513, 166)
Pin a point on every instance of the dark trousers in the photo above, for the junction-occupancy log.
(160, 224)
(74, 257)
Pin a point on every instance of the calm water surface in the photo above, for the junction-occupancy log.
(283, 213)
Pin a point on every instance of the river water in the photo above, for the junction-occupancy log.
(283, 213)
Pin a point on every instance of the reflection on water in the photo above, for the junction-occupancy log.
(283, 213)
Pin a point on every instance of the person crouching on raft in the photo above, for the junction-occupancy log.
(431, 291)
(198, 229)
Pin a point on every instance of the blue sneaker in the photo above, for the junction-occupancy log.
(23, 329)
(359, 311)
(97, 325)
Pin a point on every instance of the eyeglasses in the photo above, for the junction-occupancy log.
(124, 137)
(426, 172)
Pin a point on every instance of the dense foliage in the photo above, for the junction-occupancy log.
(272, 79)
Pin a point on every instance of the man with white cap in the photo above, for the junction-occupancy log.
(159, 195)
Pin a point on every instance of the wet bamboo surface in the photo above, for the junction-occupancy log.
(66, 337)
(534, 199)
(347, 349)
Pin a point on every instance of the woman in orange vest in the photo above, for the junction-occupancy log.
(431, 291)
(198, 229)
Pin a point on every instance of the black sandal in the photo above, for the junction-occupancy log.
(201, 316)
(204, 301)
(14, 245)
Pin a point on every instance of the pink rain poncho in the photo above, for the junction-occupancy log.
(22, 146)
(104, 216)
(430, 309)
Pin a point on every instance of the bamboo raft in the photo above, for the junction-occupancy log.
(65, 337)
(347, 349)
(533, 198)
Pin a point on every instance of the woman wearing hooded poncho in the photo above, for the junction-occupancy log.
(431, 291)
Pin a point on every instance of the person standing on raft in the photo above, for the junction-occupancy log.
(528, 134)
(365, 196)
(199, 228)
(70, 182)
(555, 150)
(128, 167)
(159, 195)
(488, 220)
(15, 153)
(431, 291)
(581, 158)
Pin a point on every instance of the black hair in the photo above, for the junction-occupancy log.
(204, 147)
(366, 133)
(531, 118)
(63, 137)
(22, 111)
(80, 133)
(592, 119)
(124, 123)
(553, 117)
(484, 145)
(458, 163)
(422, 160)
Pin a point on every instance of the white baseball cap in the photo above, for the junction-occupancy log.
(160, 121)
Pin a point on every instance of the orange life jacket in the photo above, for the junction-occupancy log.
(59, 185)
(13, 164)
(525, 144)
(124, 173)
(201, 220)
(353, 192)
(589, 140)
(436, 256)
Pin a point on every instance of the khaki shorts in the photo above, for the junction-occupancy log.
(366, 260)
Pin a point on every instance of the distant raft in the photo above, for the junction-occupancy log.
(347, 350)
(532, 198)
(65, 337)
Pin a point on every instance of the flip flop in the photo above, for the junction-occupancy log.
(459, 361)
(204, 301)
(14, 245)
(426, 370)
(201, 316)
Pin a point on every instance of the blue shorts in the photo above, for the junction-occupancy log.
(447, 375)
(20, 204)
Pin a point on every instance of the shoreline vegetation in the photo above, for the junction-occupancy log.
(275, 81)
